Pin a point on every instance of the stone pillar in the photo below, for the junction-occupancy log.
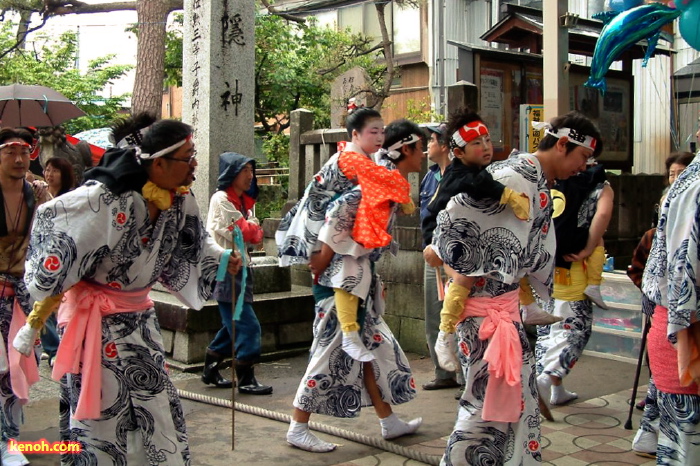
(218, 84)
(301, 121)
(460, 94)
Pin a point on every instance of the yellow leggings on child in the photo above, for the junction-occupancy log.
(346, 305)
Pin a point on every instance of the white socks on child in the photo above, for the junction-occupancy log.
(352, 344)
(556, 394)
(532, 314)
(393, 427)
(301, 437)
(593, 293)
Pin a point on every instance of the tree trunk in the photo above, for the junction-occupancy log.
(25, 17)
(150, 56)
(388, 48)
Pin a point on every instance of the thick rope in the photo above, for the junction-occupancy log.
(342, 433)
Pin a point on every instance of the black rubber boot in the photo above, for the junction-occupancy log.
(211, 374)
(247, 383)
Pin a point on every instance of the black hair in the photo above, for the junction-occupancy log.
(67, 174)
(456, 120)
(358, 119)
(131, 127)
(576, 121)
(398, 130)
(682, 158)
(16, 133)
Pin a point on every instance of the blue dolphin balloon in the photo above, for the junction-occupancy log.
(622, 32)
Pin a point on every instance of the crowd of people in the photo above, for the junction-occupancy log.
(506, 244)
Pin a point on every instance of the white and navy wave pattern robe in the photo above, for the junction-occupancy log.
(91, 234)
(484, 239)
(560, 345)
(333, 382)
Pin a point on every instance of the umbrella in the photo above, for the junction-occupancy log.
(99, 140)
(22, 105)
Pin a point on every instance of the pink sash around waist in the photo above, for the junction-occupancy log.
(23, 370)
(504, 355)
(80, 350)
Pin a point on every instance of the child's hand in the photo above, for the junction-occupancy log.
(319, 260)
(431, 258)
(580, 256)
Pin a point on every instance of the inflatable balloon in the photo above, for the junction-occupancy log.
(684, 4)
(689, 25)
(622, 5)
(622, 32)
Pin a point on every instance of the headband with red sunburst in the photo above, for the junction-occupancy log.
(469, 132)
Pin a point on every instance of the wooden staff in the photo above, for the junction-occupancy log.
(234, 381)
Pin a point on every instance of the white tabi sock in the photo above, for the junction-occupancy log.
(393, 427)
(301, 437)
(561, 396)
(544, 386)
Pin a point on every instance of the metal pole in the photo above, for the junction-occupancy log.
(647, 325)
(441, 55)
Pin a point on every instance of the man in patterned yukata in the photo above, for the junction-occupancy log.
(336, 383)
(487, 250)
(579, 225)
(104, 245)
(19, 202)
(670, 280)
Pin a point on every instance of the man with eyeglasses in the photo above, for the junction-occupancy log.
(18, 201)
(103, 246)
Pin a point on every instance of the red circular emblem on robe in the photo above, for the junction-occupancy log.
(52, 263)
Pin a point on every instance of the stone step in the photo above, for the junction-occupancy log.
(285, 317)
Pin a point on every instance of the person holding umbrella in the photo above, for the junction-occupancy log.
(231, 206)
(19, 202)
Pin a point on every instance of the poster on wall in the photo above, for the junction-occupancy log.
(529, 114)
(491, 103)
(610, 112)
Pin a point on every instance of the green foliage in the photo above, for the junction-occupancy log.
(51, 62)
(173, 51)
(276, 148)
(421, 111)
(295, 65)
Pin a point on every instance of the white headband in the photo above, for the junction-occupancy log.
(573, 135)
(392, 151)
(162, 152)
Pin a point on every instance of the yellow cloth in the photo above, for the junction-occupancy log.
(569, 284)
(519, 202)
(594, 266)
(525, 295)
(452, 306)
(346, 305)
(408, 207)
(42, 310)
(162, 198)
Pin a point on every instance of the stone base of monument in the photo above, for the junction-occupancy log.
(285, 312)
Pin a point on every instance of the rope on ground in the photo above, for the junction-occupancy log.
(342, 433)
